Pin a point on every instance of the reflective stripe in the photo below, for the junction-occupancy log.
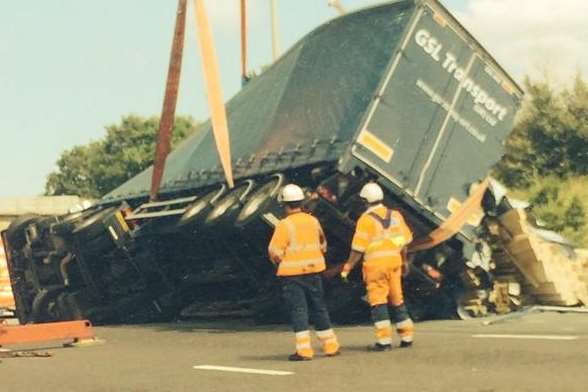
(375, 243)
(388, 236)
(383, 331)
(303, 346)
(396, 239)
(292, 234)
(383, 324)
(302, 263)
(304, 248)
(328, 341)
(386, 241)
(385, 232)
(303, 340)
(406, 330)
(405, 323)
(380, 254)
(293, 245)
(327, 333)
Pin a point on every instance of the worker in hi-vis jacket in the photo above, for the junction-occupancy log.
(380, 239)
(297, 247)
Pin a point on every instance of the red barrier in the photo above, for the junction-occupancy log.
(68, 331)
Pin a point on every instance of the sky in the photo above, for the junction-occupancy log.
(68, 68)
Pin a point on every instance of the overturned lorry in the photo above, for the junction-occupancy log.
(399, 93)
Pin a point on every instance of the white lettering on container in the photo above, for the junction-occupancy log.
(484, 104)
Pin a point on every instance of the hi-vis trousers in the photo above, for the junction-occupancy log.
(304, 298)
(384, 289)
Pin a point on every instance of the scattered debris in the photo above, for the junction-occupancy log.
(533, 309)
(25, 354)
(551, 273)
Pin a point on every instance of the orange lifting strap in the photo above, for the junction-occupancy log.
(34, 333)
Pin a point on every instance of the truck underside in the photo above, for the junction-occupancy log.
(205, 256)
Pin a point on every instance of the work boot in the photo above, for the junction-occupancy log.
(404, 344)
(336, 353)
(297, 357)
(380, 347)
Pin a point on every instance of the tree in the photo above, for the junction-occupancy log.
(127, 149)
(561, 205)
(546, 157)
(551, 137)
(576, 103)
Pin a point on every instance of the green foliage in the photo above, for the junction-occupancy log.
(561, 205)
(575, 215)
(546, 158)
(550, 138)
(100, 166)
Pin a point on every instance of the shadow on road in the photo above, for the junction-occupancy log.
(272, 357)
(212, 327)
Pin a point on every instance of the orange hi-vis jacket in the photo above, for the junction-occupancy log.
(297, 240)
(380, 235)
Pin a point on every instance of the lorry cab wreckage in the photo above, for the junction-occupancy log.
(398, 93)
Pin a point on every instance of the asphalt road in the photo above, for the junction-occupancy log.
(447, 356)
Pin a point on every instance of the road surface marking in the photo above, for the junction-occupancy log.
(243, 370)
(541, 337)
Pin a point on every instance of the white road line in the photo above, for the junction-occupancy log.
(540, 337)
(243, 370)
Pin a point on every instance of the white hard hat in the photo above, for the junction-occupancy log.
(292, 192)
(371, 192)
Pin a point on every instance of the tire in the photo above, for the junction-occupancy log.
(260, 200)
(15, 234)
(93, 226)
(200, 208)
(228, 206)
